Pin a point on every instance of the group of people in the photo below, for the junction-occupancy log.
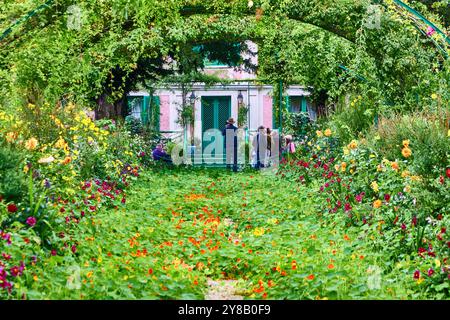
(262, 147)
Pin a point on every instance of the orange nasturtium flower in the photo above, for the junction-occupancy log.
(310, 277)
(331, 266)
(395, 166)
(352, 145)
(406, 152)
(66, 160)
(377, 204)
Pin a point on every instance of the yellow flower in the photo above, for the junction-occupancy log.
(35, 278)
(406, 143)
(377, 204)
(406, 152)
(352, 145)
(89, 274)
(405, 174)
(26, 169)
(31, 144)
(60, 144)
(346, 151)
(319, 133)
(343, 166)
(420, 280)
(336, 167)
(437, 262)
(327, 132)
(434, 96)
(407, 189)
(374, 186)
(258, 232)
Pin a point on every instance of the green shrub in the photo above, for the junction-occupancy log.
(428, 141)
(12, 179)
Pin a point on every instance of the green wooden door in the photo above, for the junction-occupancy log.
(215, 113)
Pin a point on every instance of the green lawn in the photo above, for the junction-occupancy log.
(180, 228)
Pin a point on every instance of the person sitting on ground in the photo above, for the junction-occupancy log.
(160, 154)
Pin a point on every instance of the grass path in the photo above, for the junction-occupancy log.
(182, 230)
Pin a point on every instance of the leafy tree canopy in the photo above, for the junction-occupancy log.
(119, 44)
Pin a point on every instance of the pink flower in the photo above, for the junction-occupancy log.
(74, 248)
(430, 31)
(53, 252)
(347, 207)
(31, 221)
(430, 272)
(403, 226)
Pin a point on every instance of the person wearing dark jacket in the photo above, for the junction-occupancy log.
(159, 154)
(230, 146)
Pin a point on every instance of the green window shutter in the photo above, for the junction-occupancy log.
(288, 104)
(145, 110)
(156, 112)
(304, 105)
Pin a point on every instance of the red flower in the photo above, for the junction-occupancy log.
(430, 272)
(12, 208)
(53, 252)
(150, 271)
(447, 172)
(416, 274)
(74, 248)
(414, 221)
(387, 197)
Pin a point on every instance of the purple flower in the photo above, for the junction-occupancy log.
(31, 221)
(74, 248)
(47, 184)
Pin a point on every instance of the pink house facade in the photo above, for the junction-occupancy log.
(213, 105)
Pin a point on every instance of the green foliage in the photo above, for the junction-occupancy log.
(13, 184)
(427, 136)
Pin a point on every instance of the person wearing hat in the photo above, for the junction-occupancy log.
(231, 150)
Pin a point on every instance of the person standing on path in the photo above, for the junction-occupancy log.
(260, 147)
(230, 141)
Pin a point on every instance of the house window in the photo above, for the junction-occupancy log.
(146, 109)
(297, 104)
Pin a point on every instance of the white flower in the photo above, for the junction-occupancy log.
(46, 160)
